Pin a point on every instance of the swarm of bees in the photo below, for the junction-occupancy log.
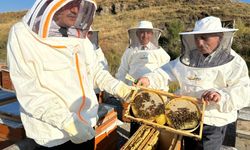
(182, 114)
(148, 105)
(177, 113)
(179, 118)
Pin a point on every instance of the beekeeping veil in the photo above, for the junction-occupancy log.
(41, 15)
(206, 26)
(93, 37)
(143, 26)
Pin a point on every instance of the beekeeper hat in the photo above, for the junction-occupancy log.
(145, 25)
(209, 24)
(134, 41)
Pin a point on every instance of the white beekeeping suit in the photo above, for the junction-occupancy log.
(141, 58)
(54, 73)
(223, 71)
(93, 36)
(94, 39)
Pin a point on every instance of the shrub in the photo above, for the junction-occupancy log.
(170, 40)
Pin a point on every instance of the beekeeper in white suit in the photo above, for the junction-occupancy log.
(54, 70)
(94, 39)
(208, 68)
(93, 36)
(143, 54)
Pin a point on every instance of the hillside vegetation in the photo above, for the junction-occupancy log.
(115, 17)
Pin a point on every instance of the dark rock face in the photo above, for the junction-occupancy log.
(109, 7)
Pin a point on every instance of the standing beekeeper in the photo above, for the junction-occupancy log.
(54, 70)
(94, 39)
(142, 56)
(208, 68)
(93, 36)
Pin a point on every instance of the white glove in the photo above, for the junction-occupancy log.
(78, 131)
(123, 90)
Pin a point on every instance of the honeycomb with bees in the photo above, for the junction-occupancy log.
(177, 114)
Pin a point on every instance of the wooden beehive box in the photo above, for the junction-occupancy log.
(189, 132)
(7, 97)
(0, 78)
(106, 135)
(145, 138)
(11, 128)
(150, 138)
(5, 79)
(1, 67)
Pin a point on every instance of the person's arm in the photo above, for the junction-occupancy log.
(124, 66)
(101, 77)
(237, 93)
(159, 78)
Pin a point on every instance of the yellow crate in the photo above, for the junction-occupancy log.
(189, 133)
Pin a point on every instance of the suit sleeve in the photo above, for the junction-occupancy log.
(161, 77)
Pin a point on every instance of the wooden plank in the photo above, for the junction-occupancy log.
(106, 125)
(134, 137)
(107, 141)
(101, 137)
(243, 127)
(5, 143)
(10, 133)
(6, 97)
(106, 118)
(0, 78)
(145, 144)
(10, 111)
(143, 138)
(243, 133)
(168, 140)
(6, 81)
(153, 141)
(147, 138)
(9, 117)
(7, 101)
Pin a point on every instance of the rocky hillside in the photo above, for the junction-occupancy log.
(114, 17)
(114, 7)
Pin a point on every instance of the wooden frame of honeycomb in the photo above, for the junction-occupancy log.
(189, 132)
(145, 138)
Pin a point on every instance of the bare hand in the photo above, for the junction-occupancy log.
(211, 96)
(144, 81)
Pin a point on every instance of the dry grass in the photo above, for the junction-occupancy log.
(113, 28)
(6, 21)
(163, 13)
